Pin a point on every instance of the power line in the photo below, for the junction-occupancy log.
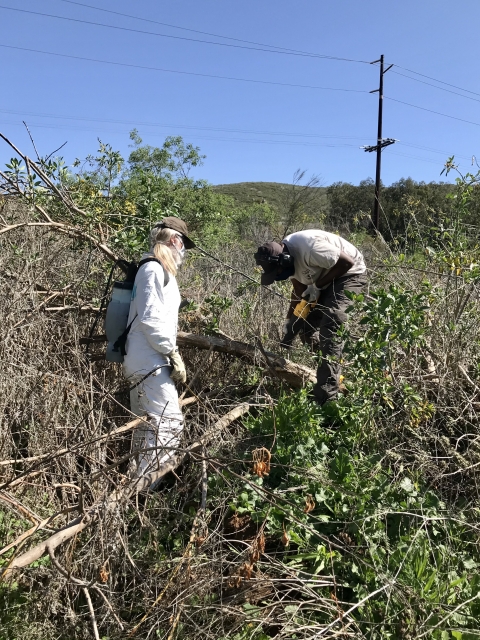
(188, 73)
(203, 128)
(438, 113)
(174, 26)
(219, 77)
(165, 35)
(436, 80)
(429, 84)
(178, 126)
(444, 153)
(244, 140)
(60, 127)
(284, 49)
(137, 123)
(406, 155)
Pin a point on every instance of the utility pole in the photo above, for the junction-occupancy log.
(381, 144)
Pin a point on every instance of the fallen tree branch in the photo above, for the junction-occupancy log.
(295, 374)
(19, 507)
(119, 496)
(27, 534)
(87, 308)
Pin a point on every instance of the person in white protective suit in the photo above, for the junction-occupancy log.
(152, 362)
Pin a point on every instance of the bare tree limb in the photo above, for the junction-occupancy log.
(295, 374)
(39, 171)
(69, 231)
(119, 496)
(115, 432)
(92, 612)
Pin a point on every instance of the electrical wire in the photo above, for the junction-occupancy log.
(215, 129)
(197, 137)
(184, 38)
(438, 113)
(188, 73)
(216, 35)
(406, 155)
(256, 141)
(122, 64)
(179, 126)
(204, 33)
(444, 153)
(221, 129)
(436, 80)
(429, 84)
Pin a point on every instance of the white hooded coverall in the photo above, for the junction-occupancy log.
(153, 335)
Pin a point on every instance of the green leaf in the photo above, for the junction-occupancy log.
(407, 485)
(470, 564)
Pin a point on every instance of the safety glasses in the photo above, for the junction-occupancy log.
(180, 238)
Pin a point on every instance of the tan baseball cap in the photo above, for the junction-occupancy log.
(176, 224)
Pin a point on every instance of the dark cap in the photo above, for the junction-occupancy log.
(267, 257)
(176, 224)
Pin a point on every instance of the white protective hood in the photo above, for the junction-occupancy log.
(154, 312)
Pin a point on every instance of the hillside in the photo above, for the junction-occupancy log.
(273, 193)
(346, 207)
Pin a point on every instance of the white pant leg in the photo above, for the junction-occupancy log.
(157, 397)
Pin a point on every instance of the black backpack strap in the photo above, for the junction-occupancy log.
(166, 275)
(121, 341)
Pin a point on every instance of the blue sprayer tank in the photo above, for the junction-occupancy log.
(116, 318)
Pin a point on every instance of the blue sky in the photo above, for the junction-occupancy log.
(250, 131)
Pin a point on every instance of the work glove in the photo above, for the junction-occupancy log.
(179, 373)
(287, 334)
(311, 293)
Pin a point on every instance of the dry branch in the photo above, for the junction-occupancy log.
(68, 230)
(295, 374)
(119, 496)
(126, 427)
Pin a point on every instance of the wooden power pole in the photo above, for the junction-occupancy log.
(381, 144)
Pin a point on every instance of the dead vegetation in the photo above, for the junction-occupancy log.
(65, 445)
(276, 520)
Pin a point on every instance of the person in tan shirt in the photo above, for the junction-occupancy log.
(321, 267)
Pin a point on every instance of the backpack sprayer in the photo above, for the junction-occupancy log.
(118, 309)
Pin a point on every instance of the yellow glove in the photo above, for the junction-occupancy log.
(178, 374)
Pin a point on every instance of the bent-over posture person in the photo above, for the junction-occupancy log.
(152, 362)
(321, 266)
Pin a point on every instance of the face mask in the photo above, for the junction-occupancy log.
(179, 255)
